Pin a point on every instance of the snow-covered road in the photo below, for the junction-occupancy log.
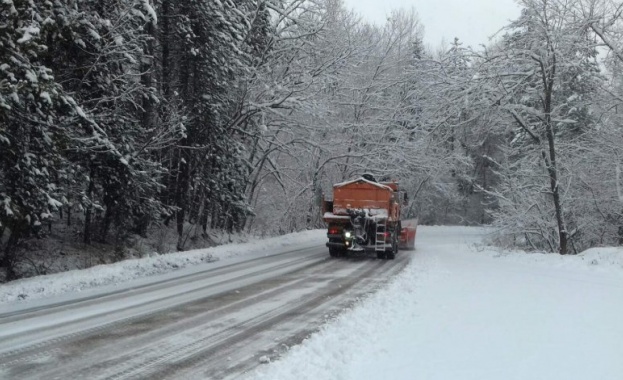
(452, 309)
(460, 312)
(211, 323)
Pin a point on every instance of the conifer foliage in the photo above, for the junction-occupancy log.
(32, 105)
(116, 116)
(125, 119)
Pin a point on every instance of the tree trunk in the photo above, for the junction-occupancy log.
(106, 223)
(164, 42)
(551, 163)
(9, 259)
(89, 211)
(204, 218)
(180, 194)
(146, 78)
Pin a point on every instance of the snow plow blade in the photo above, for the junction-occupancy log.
(407, 235)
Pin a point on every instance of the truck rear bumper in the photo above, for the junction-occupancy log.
(336, 245)
(366, 248)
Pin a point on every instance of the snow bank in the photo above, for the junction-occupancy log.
(602, 259)
(330, 353)
(463, 311)
(128, 270)
(609, 256)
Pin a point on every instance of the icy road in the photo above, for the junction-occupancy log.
(213, 323)
(451, 309)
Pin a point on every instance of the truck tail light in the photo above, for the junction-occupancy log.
(334, 231)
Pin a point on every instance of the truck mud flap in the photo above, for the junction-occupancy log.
(407, 238)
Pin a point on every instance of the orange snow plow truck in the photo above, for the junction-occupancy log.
(364, 217)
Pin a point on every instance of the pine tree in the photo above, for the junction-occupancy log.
(31, 141)
(99, 50)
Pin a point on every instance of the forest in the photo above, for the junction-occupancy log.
(123, 120)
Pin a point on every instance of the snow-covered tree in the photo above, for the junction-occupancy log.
(546, 74)
(31, 140)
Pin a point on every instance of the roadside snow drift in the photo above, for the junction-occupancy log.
(458, 311)
(130, 270)
(463, 312)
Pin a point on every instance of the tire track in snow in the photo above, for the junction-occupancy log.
(157, 344)
(22, 354)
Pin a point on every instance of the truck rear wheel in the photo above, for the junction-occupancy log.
(391, 255)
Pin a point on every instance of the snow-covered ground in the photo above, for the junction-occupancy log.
(106, 276)
(460, 311)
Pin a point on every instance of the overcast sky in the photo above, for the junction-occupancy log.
(473, 21)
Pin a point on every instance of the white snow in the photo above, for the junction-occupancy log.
(54, 203)
(264, 359)
(29, 33)
(150, 11)
(330, 215)
(80, 111)
(461, 311)
(94, 34)
(125, 271)
(46, 96)
(129, 57)
(377, 184)
(31, 76)
(8, 210)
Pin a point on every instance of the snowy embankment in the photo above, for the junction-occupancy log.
(130, 270)
(458, 311)
(463, 312)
